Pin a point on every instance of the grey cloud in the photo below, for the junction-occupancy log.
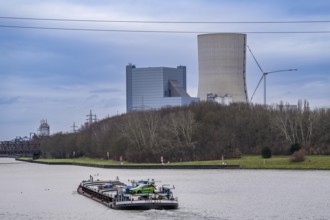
(9, 100)
(106, 90)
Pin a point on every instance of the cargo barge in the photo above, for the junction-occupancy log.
(143, 194)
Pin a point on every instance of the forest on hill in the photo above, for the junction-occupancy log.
(203, 131)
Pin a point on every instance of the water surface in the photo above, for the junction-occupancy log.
(36, 191)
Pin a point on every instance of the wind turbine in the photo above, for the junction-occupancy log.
(263, 76)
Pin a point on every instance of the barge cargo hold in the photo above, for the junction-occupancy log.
(117, 195)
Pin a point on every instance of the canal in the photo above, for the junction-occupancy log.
(37, 191)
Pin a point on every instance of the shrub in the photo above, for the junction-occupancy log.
(295, 147)
(266, 152)
(298, 156)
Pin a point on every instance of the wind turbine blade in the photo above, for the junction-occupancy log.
(255, 59)
(257, 87)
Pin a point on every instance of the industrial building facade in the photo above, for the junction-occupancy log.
(156, 87)
(222, 60)
(44, 129)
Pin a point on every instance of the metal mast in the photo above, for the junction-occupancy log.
(263, 77)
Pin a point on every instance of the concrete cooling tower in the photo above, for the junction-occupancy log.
(221, 59)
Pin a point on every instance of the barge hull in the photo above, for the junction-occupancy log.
(130, 204)
(97, 198)
(145, 205)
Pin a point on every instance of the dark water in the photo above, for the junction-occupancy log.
(34, 191)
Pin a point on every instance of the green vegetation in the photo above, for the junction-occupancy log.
(266, 152)
(283, 162)
(276, 162)
(82, 160)
(245, 162)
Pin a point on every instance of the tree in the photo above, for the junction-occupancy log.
(202, 131)
(266, 152)
(141, 129)
(181, 126)
(296, 125)
(295, 147)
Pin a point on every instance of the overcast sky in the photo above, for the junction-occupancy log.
(60, 75)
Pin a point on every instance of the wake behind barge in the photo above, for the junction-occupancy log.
(117, 195)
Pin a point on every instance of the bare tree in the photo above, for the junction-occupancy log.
(180, 128)
(296, 124)
(141, 129)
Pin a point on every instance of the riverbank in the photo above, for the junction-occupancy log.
(118, 165)
(245, 162)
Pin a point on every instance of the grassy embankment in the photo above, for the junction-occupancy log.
(246, 162)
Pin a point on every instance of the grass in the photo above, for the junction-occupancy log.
(86, 160)
(246, 162)
(282, 162)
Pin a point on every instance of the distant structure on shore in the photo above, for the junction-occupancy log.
(221, 60)
(44, 129)
(156, 87)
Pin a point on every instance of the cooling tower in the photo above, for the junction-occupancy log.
(221, 60)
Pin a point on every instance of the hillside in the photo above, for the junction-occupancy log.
(203, 131)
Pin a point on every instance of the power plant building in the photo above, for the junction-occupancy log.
(221, 60)
(156, 87)
(44, 129)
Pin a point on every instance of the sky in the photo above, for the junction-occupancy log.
(60, 75)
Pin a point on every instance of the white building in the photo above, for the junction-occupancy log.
(44, 128)
(221, 60)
